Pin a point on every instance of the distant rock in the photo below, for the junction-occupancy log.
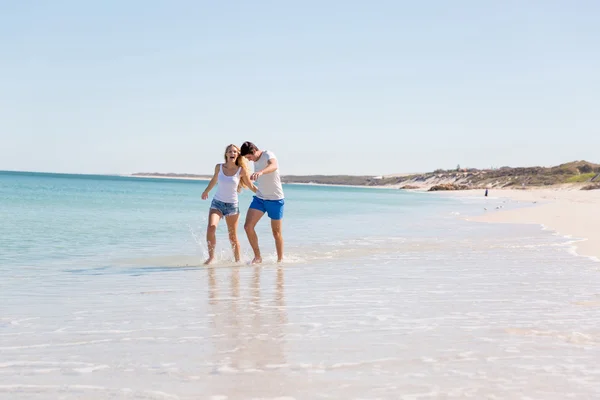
(447, 186)
(409, 187)
(593, 186)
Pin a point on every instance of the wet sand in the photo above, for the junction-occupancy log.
(568, 211)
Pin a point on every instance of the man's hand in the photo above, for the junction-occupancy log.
(255, 175)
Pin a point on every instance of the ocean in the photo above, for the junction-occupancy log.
(384, 294)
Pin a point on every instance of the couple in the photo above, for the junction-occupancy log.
(232, 176)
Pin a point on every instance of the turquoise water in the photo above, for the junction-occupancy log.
(96, 220)
(384, 294)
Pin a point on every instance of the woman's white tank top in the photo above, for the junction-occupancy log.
(227, 187)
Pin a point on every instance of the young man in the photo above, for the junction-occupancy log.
(268, 198)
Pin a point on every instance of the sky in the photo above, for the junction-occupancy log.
(331, 87)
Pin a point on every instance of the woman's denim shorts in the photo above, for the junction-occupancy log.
(225, 208)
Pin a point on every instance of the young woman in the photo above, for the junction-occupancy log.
(231, 177)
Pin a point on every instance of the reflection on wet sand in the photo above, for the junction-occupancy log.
(249, 330)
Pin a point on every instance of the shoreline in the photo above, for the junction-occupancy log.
(571, 213)
(564, 209)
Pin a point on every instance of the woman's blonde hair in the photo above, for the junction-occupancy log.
(240, 161)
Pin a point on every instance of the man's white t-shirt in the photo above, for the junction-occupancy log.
(269, 185)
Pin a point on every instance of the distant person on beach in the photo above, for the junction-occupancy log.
(486, 193)
(268, 199)
(231, 177)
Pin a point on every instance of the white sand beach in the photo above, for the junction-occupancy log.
(566, 210)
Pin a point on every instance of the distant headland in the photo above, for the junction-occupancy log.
(577, 173)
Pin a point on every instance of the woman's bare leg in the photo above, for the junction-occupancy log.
(232, 223)
(211, 234)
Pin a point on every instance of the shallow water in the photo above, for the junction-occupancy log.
(102, 296)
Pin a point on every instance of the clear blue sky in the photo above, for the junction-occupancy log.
(357, 87)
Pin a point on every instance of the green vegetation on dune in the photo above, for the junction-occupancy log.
(581, 178)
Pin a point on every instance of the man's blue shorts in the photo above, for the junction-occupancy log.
(273, 208)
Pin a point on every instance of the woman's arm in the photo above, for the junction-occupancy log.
(246, 179)
(211, 184)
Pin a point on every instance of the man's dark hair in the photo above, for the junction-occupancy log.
(248, 148)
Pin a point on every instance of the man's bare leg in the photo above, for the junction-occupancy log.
(252, 219)
(276, 228)
(211, 234)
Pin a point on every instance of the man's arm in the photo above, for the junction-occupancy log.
(272, 166)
